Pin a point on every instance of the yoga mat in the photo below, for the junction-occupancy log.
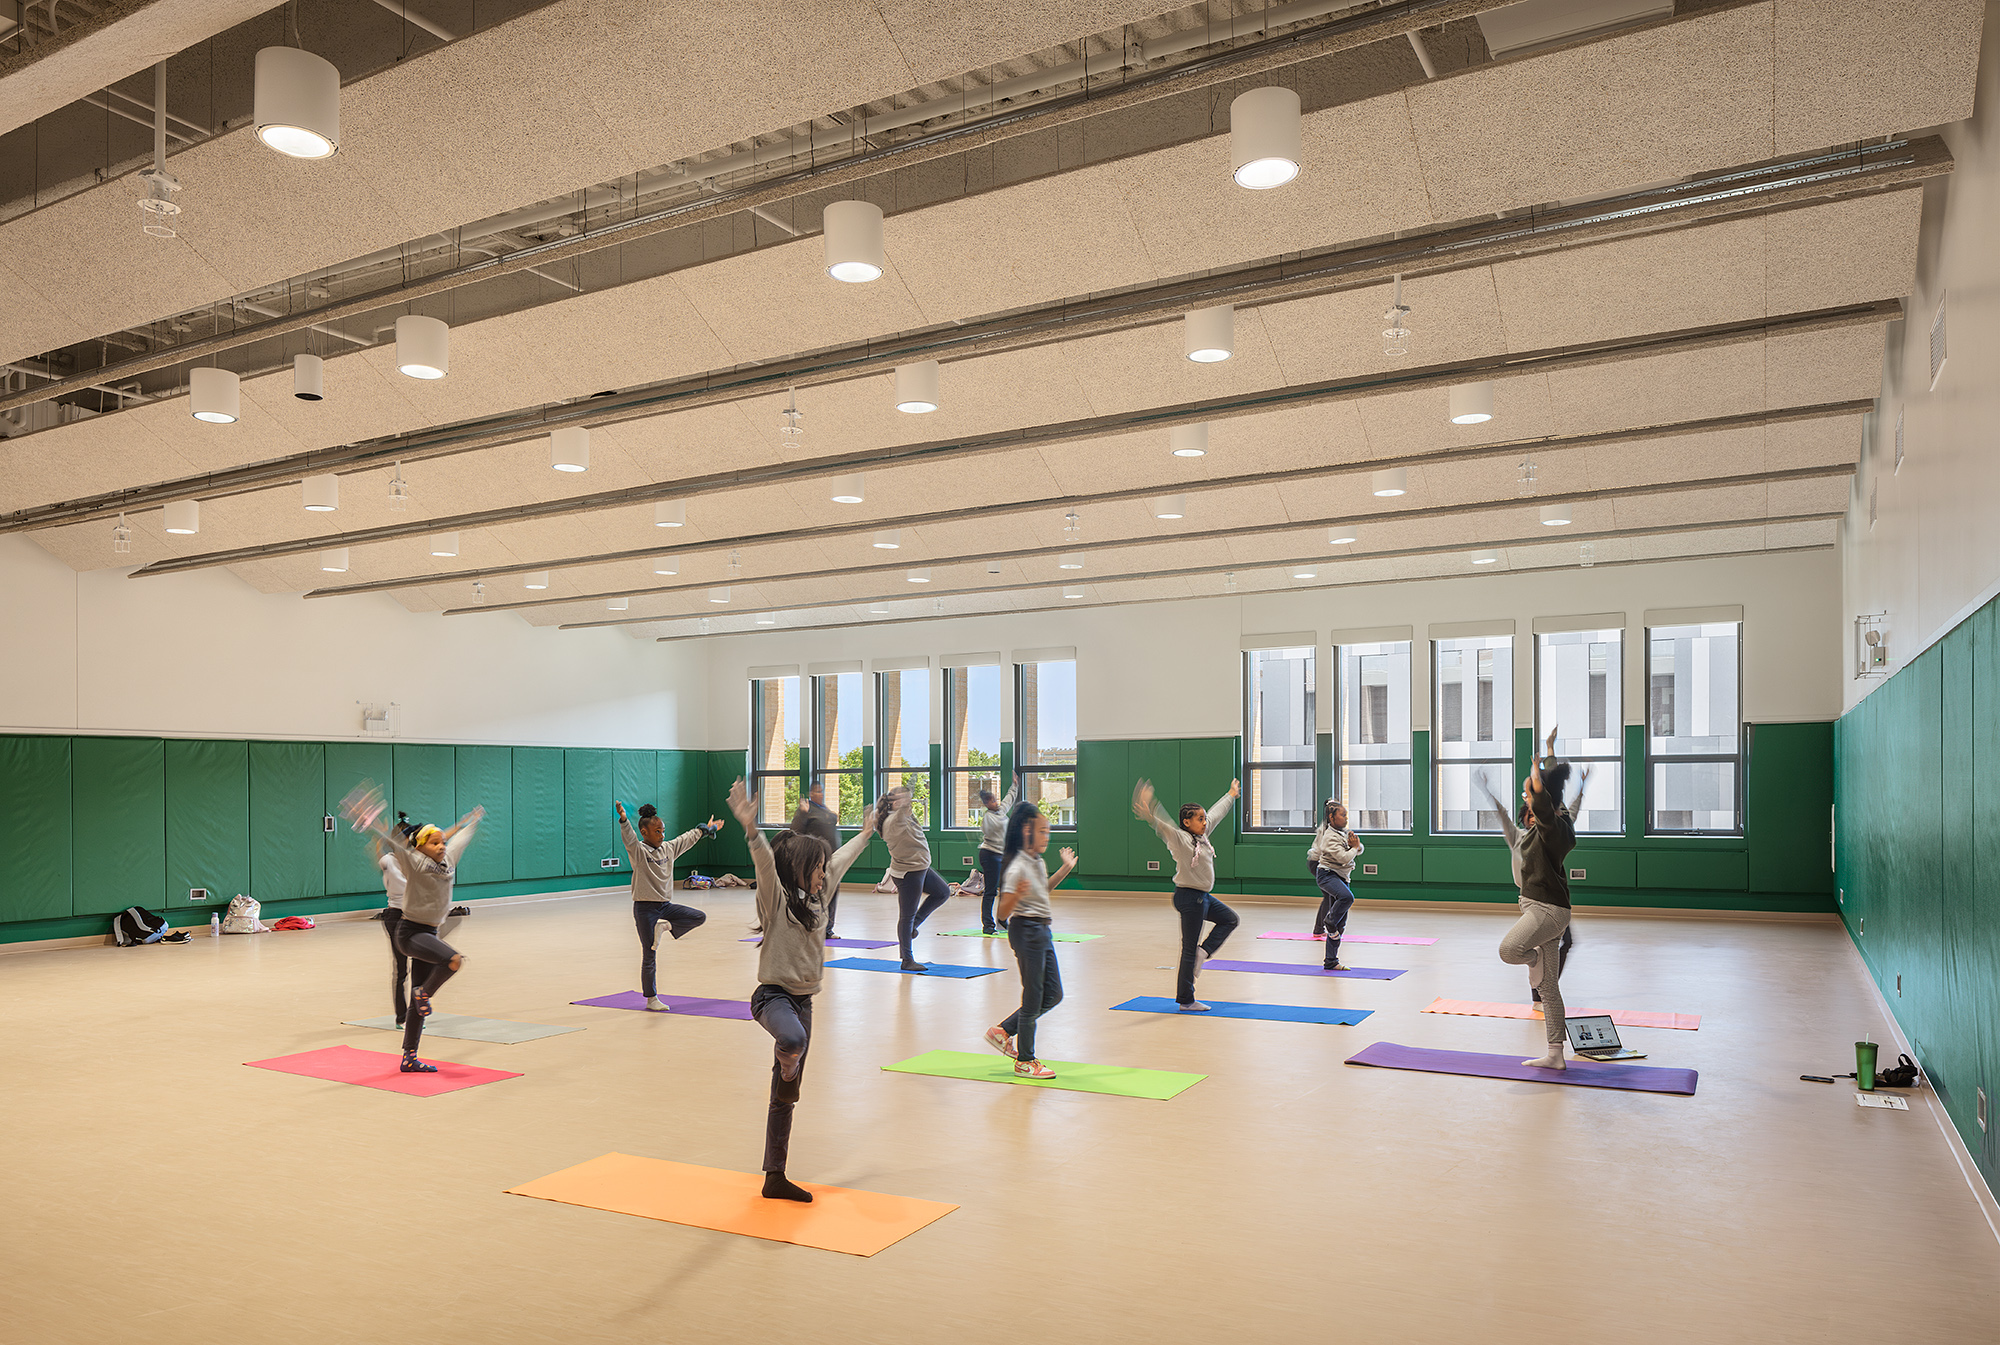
(694, 1008)
(981, 934)
(841, 943)
(378, 1069)
(1296, 969)
(1276, 1013)
(943, 970)
(1345, 938)
(860, 1223)
(1070, 1076)
(460, 1027)
(1586, 1073)
(1686, 1022)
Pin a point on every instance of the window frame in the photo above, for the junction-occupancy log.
(820, 771)
(1614, 678)
(947, 772)
(1341, 762)
(1737, 758)
(1023, 771)
(883, 769)
(1503, 739)
(757, 775)
(1251, 768)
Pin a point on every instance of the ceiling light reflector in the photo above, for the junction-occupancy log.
(1555, 515)
(617, 604)
(1264, 138)
(334, 560)
(214, 396)
(1173, 506)
(1188, 441)
(1069, 560)
(423, 346)
(666, 565)
(308, 378)
(889, 539)
(1485, 557)
(1471, 403)
(296, 103)
(922, 576)
(1210, 334)
(1390, 482)
(853, 237)
(670, 514)
(322, 493)
(848, 489)
(538, 580)
(184, 517)
(569, 449)
(1339, 536)
(444, 544)
(719, 594)
(917, 387)
(1072, 593)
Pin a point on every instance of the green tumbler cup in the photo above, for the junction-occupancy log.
(1864, 1065)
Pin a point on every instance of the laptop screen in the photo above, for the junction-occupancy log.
(1596, 1033)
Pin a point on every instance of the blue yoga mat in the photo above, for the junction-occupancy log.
(1276, 1013)
(939, 969)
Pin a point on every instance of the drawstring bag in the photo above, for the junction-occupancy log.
(1903, 1074)
(242, 917)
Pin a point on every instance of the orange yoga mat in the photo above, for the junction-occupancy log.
(1686, 1022)
(860, 1223)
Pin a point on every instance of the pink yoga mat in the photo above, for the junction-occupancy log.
(1346, 938)
(682, 1004)
(378, 1069)
(1686, 1022)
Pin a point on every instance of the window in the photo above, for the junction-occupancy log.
(1045, 738)
(903, 736)
(836, 755)
(774, 748)
(971, 741)
(1472, 731)
(1693, 766)
(1279, 740)
(1372, 746)
(1579, 692)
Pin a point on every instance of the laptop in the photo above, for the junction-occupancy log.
(1596, 1038)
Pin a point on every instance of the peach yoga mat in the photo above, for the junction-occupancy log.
(860, 1223)
(1686, 1022)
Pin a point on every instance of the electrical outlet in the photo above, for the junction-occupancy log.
(197, 894)
(329, 826)
(1368, 870)
(967, 861)
(1152, 866)
(607, 863)
(1579, 875)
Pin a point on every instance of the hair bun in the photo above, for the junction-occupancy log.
(647, 810)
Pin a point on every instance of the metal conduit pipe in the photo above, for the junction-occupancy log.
(98, 100)
(404, 12)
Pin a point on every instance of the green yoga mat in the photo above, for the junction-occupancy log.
(976, 934)
(463, 1028)
(1158, 1084)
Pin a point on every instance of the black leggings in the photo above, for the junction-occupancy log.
(430, 967)
(910, 917)
(789, 1020)
(989, 871)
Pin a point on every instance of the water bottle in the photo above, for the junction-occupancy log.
(214, 925)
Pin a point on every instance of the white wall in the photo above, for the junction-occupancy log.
(1933, 554)
(205, 654)
(1172, 670)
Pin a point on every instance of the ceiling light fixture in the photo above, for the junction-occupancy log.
(399, 491)
(1069, 560)
(1471, 403)
(214, 395)
(569, 449)
(538, 581)
(1485, 557)
(791, 429)
(1524, 484)
(1396, 336)
(334, 560)
(1229, 581)
(617, 604)
(853, 237)
(889, 539)
(1264, 138)
(1209, 334)
(1072, 593)
(1555, 515)
(1587, 556)
(702, 625)
(917, 387)
(322, 494)
(1303, 573)
(993, 567)
(922, 576)
(1390, 482)
(879, 609)
(308, 378)
(670, 514)
(1339, 536)
(719, 595)
(848, 489)
(767, 618)
(121, 537)
(479, 591)
(444, 544)
(666, 565)
(296, 103)
(423, 346)
(1188, 441)
(1173, 506)
(183, 517)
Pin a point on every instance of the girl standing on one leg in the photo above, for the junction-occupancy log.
(1515, 830)
(1331, 859)
(1194, 882)
(992, 845)
(653, 907)
(910, 867)
(793, 880)
(1025, 910)
(1535, 941)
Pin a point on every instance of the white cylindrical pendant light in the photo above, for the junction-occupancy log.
(1210, 334)
(719, 594)
(1485, 557)
(322, 493)
(538, 580)
(1390, 481)
(569, 449)
(1339, 536)
(308, 378)
(1188, 441)
(1072, 592)
(767, 618)
(853, 236)
(1471, 403)
(993, 567)
(334, 560)
(848, 489)
(617, 604)
(296, 105)
(666, 565)
(214, 395)
(889, 539)
(1172, 506)
(1069, 560)
(184, 517)
(1264, 138)
(922, 576)
(1304, 572)
(423, 346)
(444, 544)
(1555, 515)
(917, 387)
(670, 514)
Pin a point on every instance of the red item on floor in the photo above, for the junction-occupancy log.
(294, 922)
(381, 1069)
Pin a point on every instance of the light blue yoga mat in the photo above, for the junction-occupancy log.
(465, 1028)
(1295, 969)
(942, 970)
(1276, 1013)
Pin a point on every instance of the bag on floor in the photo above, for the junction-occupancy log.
(973, 886)
(696, 883)
(136, 925)
(1902, 1074)
(242, 917)
(294, 922)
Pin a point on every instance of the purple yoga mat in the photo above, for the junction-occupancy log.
(1587, 1073)
(843, 943)
(1350, 938)
(1295, 969)
(699, 1008)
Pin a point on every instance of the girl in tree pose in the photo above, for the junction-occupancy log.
(992, 845)
(1025, 910)
(653, 908)
(1544, 841)
(793, 880)
(1331, 859)
(910, 867)
(1194, 882)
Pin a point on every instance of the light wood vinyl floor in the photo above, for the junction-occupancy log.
(155, 1190)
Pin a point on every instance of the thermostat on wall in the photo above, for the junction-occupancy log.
(1579, 875)
(1367, 869)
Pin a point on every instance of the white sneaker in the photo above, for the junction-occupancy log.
(663, 930)
(658, 1005)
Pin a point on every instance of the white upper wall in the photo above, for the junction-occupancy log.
(205, 654)
(1932, 556)
(1173, 670)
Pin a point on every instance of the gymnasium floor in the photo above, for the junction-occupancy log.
(158, 1191)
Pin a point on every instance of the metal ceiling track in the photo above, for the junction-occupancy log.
(1582, 355)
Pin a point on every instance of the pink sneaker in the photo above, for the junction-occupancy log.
(1032, 1069)
(1000, 1042)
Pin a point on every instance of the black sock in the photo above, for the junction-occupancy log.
(777, 1188)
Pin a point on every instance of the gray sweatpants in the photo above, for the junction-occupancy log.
(1532, 943)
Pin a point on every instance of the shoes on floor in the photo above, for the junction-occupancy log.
(658, 1005)
(1032, 1069)
(1000, 1042)
(412, 1065)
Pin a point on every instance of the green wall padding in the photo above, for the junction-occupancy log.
(681, 787)
(349, 857)
(118, 791)
(1787, 807)
(486, 780)
(287, 831)
(35, 862)
(208, 819)
(538, 812)
(1103, 792)
(730, 849)
(427, 784)
(590, 828)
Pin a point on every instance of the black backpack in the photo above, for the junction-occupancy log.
(1903, 1074)
(136, 925)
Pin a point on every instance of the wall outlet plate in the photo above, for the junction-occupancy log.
(967, 861)
(1367, 870)
(1152, 866)
(329, 826)
(197, 894)
(1579, 875)
(607, 863)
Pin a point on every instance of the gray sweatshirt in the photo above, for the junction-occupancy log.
(427, 883)
(653, 865)
(1330, 851)
(909, 848)
(792, 958)
(1194, 856)
(993, 825)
